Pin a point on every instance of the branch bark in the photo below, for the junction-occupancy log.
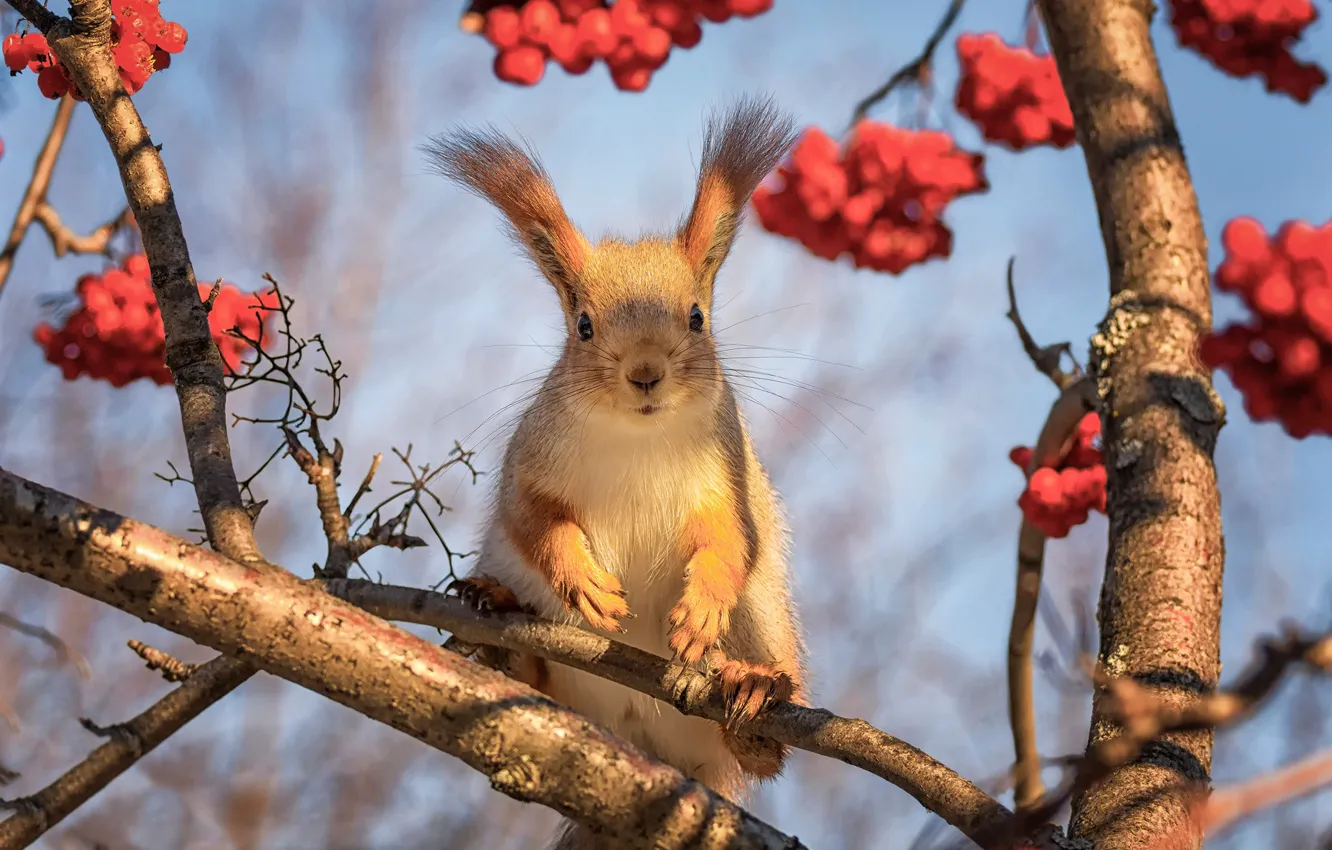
(82, 43)
(530, 747)
(1161, 598)
(855, 742)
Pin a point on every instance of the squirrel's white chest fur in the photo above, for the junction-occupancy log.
(633, 489)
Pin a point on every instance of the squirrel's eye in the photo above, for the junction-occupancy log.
(584, 328)
(695, 319)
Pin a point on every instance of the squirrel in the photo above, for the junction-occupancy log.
(631, 500)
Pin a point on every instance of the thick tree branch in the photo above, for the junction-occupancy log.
(855, 742)
(1161, 598)
(532, 748)
(41, 178)
(40, 812)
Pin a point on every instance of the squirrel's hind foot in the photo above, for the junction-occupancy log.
(485, 594)
(748, 688)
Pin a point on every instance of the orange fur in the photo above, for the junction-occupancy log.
(545, 533)
(714, 577)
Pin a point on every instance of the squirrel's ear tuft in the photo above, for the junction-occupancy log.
(510, 176)
(740, 147)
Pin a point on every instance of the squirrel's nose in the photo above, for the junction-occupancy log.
(647, 374)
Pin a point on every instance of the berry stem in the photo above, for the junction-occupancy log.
(914, 71)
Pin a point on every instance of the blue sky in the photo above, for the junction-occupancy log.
(911, 467)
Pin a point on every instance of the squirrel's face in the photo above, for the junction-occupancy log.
(639, 315)
(639, 332)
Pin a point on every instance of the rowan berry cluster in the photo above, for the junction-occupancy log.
(1061, 496)
(115, 333)
(141, 42)
(1247, 38)
(881, 198)
(1013, 95)
(633, 37)
(1281, 359)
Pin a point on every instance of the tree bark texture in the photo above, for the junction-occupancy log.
(530, 747)
(1160, 607)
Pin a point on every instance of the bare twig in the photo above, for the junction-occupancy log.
(1046, 359)
(62, 649)
(41, 170)
(916, 70)
(1226, 806)
(530, 747)
(40, 812)
(1072, 404)
(171, 668)
(855, 742)
(65, 241)
(1145, 717)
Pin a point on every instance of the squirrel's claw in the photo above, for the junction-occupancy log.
(600, 599)
(484, 594)
(696, 629)
(749, 688)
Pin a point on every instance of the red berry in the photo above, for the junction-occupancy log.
(524, 65)
(504, 27)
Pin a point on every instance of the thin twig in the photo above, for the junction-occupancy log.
(1046, 358)
(1144, 717)
(41, 170)
(66, 652)
(915, 70)
(1075, 399)
(65, 241)
(171, 668)
(1226, 806)
(41, 811)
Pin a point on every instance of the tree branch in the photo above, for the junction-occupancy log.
(40, 812)
(171, 668)
(1073, 403)
(1160, 604)
(41, 175)
(855, 742)
(65, 241)
(1225, 806)
(82, 43)
(532, 748)
(62, 649)
(1145, 716)
(1046, 358)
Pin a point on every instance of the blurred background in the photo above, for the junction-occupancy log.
(885, 411)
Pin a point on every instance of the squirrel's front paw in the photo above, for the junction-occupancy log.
(697, 623)
(748, 688)
(598, 596)
(483, 593)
